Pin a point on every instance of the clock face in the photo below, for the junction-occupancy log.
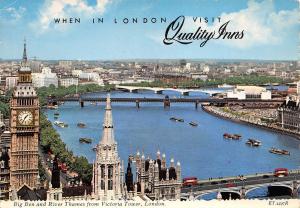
(25, 117)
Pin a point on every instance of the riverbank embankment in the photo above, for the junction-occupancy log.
(216, 111)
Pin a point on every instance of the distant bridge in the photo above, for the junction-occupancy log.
(159, 90)
(239, 189)
(167, 101)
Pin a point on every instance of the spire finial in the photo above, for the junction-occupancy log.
(24, 52)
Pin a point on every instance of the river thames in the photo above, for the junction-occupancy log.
(201, 150)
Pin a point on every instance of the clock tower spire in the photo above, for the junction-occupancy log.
(24, 61)
(24, 73)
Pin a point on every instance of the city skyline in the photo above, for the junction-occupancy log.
(271, 31)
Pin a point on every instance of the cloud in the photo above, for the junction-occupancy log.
(67, 8)
(262, 25)
(11, 14)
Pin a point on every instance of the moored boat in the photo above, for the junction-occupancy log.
(85, 140)
(177, 119)
(253, 142)
(279, 151)
(225, 86)
(173, 119)
(81, 125)
(193, 123)
(52, 107)
(236, 136)
(227, 136)
(60, 124)
(180, 120)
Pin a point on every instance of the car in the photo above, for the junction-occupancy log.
(224, 181)
(214, 183)
(228, 185)
(266, 176)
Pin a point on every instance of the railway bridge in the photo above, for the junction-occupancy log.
(166, 101)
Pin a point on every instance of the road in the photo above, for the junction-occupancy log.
(47, 166)
(208, 185)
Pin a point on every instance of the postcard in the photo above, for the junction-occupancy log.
(149, 103)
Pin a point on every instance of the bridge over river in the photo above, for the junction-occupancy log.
(258, 103)
(240, 187)
(159, 90)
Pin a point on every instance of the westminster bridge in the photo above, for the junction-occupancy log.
(239, 187)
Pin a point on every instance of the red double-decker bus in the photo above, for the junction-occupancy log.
(190, 181)
(281, 172)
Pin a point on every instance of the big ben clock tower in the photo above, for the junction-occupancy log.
(24, 125)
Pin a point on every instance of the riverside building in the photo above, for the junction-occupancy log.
(289, 113)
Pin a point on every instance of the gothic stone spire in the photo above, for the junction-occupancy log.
(108, 137)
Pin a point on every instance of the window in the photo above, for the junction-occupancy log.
(102, 185)
(102, 171)
(162, 192)
(173, 193)
(110, 171)
(110, 185)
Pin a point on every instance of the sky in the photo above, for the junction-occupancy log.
(271, 29)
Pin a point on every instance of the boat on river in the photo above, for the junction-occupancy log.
(193, 124)
(177, 119)
(226, 86)
(52, 107)
(253, 142)
(232, 136)
(173, 119)
(227, 136)
(236, 136)
(85, 140)
(81, 125)
(279, 151)
(180, 119)
(60, 124)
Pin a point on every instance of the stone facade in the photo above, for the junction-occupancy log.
(156, 180)
(289, 114)
(107, 169)
(24, 127)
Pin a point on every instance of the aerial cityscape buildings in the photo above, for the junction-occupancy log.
(22, 158)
